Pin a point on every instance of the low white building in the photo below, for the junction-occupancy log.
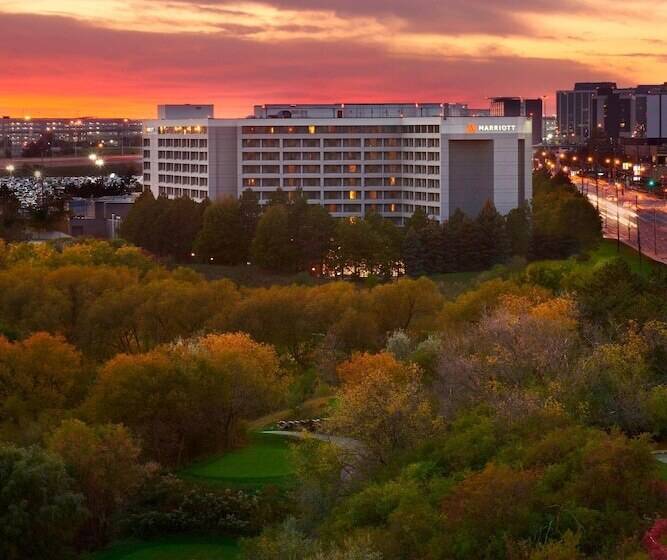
(350, 165)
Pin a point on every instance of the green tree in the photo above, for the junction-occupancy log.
(273, 247)
(222, 237)
(40, 511)
(494, 245)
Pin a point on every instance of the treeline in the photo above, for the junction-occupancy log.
(290, 235)
(512, 422)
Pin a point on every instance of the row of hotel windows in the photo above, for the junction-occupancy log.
(367, 169)
(201, 156)
(183, 167)
(187, 193)
(182, 143)
(183, 180)
(179, 129)
(395, 142)
(337, 156)
(294, 182)
(336, 129)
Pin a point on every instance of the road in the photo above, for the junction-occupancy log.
(631, 213)
(67, 161)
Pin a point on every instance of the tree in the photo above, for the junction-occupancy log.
(222, 237)
(40, 511)
(519, 230)
(187, 399)
(494, 247)
(413, 254)
(40, 377)
(273, 247)
(104, 462)
(10, 219)
(311, 231)
(382, 403)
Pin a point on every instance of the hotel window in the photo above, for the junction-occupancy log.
(332, 142)
(271, 182)
(332, 195)
(332, 169)
(271, 156)
(352, 181)
(250, 182)
(352, 168)
(271, 143)
(291, 156)
(252, 156)
(311, 168)
(332, 156)
(311, 143)
(291, 143)
(373, 168)
(251, 143)
(251, 169)
(354, 195)
(311, 156)
(291, 169)
(352, 155)
(292, 182)
(270, 169)
(351, 207)
(311, 182)
(333, 182)
(311, 129)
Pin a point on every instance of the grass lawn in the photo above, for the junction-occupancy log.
(264, 461)
(662, 470)
(607, 251)
(170, 548)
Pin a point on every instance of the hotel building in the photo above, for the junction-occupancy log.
(391, 164)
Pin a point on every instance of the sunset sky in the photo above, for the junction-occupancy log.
(122, 57)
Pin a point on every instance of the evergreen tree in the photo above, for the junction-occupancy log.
(494, 246)
(413, 254)
(518, 230)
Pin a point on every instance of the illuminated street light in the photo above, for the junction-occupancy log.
(10, 168)
(590, 159)
(92, 157)
(99, 162)
(38, 174)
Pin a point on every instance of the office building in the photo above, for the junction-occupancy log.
(350, 165)
(517, 107)
(576, 112)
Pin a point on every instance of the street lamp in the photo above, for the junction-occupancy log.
(38, 174)
(10, 169)
(99, 163)
(92, 157)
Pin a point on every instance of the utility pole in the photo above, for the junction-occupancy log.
(639, 237)
(618, 223)
(655, 231)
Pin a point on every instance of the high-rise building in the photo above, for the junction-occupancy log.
(576, 111)
(533, 109)
(350, 165)
(604, 111)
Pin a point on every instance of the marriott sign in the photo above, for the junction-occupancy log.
(473, 128)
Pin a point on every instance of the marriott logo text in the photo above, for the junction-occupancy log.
(491, 128)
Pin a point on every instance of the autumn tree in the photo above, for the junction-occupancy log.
(40, 377)
(104, 462)
(382, 404)
(187, 399)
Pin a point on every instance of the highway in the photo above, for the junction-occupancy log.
(633, 213)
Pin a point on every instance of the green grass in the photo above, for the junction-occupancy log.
(266, 460)
(662, 470)
(170, 548)
(608, 251)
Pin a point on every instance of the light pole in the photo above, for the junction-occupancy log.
(10, 169)
(618, 223)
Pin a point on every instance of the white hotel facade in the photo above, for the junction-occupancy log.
(351, 165)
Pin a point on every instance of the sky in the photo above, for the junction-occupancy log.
(67, 58)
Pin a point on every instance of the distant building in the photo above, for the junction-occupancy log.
(16, 133)
(185, 111)
(517, 107)
(576, 111)
(351, 165)
(549, 129)
(99, 217)
(360, 110)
